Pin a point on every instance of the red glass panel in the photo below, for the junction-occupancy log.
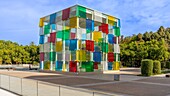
(110, 57)
(41, 56)
(52, 37)
(65, 14)
(104, 28)
(73, 66)
(95, 65)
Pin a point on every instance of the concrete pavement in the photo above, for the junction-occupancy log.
(129, 83)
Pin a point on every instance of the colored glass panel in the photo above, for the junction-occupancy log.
(73, 22)
(41, 22)
(73, 66)
(97, 36)
(73, 44)
(82, 55)
(111, 38)
(65, 14)
(59, 65)
(41, 56)
(59, 46)
(52, 56)
(81, 11)
(89, 45)
(41, 41)
(117, 31)
(89, 24)
(110, 65)
(53, 37)
(46, 31)
(104, 28)
(110, 57)
(97, 56)
(52, 18)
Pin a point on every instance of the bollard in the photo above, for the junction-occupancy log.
(116, 77)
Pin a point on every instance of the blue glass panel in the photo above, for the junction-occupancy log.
(41, 41)
(73, 44)
(53, 26)
(90, 24)
(52, 18)
(67, 42)
(111, 38)
(97, 56)
(110, 65)
(119, 25)
(59, 65)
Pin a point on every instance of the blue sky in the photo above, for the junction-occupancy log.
(19, 18)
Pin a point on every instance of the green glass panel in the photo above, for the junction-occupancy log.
(52, 56)
(88, 31)
(47, 26)
(104, 47)
(101, 39)
(89, 66)
(118, 57)
(117, 31)
(107, 49)
(81, 12)
(114, 56)
(46, 31)
(66, 34)
(83, 65)
(59, 34)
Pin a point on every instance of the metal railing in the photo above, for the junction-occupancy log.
(28, 87)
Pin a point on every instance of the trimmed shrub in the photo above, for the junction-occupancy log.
(156, 67)
(168, 65)
(163, 65)
(147, 67)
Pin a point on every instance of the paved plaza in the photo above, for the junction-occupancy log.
(129, 83)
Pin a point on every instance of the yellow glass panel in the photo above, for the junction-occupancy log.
(77, 55)
(111, 20)
(73, 22)
(41, 22)
(66, 28)
(64, 69)
(59, 46)
(110, 47)
(97, 36)
(116, 66)
(82, 55)
(79, 43)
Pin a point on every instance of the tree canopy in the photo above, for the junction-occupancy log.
(13, 53)
(150, 45)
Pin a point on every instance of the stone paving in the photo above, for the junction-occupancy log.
(129, 83)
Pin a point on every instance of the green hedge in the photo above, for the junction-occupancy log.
(168, 65)
(163, 65)
(147, 67)
(156, 67)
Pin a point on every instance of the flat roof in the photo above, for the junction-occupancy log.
(86, 8)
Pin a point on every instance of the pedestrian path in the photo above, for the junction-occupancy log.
(6, 93)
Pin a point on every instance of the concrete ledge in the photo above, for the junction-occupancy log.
(111, 72)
